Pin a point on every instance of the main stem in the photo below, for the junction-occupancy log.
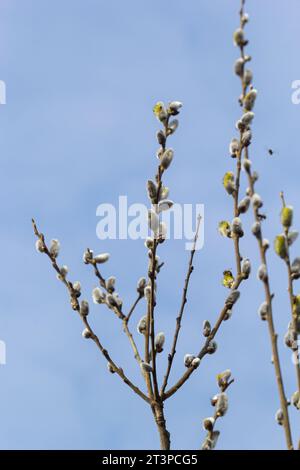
(164, 435)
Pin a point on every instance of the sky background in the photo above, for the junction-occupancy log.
(78, 130)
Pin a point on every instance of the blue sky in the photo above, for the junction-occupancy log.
(78, 130)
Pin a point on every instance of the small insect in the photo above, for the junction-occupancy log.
(270, 151)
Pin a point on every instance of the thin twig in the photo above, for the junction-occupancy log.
(181, 311)
(75, 305)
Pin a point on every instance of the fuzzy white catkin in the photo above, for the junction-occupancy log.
(101, 258)
(262, 273)
(196, 362)
(167, 158)
(174, 107)
(98, 296)
(257, 201)
(63, 272)
(110, 284)
(159, 342)
(244, 205)
(173, 125)
(146, 367)
(153, 220)
(234, 147)
(165, 205)
(208, 423)
(149, 243)
(87, 256)
(86, 333)
(188, 359)
(246, 267)
(39, 245)
(247, 118)
(263, 311)
(84, 308)
(248, 77)
(256, 229)
(141, 284)
(54, 248)
(77, 286)
(279, 417)
(232, 298)
(236, 227)
(212, 347)
(239, 67)
(142, 325)
(206, 328)
(222, 404)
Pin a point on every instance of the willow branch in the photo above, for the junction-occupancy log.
(262, 251)
(182, 307)
(75, 306)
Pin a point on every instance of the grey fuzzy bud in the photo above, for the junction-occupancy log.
(101, 258)
(159, 342)
(256, 229)
(279, 417)
(153, 220)
(244, 205)
(145, 367)
(164, 193)
(206, 328)
(247, 118)
(295, 400)
(142, 325)
(141, 286)
(196, 362)
(227, 315)
(265, 244)
(54, 248)
(262, 273)
(212, 347)
(147, 293)
(110, 284)
(263, 311)
(236, 227)
(239, 67)
(152, 190)
(86, 333)
(295, 268)
(77, 286)
(208, 424)
(246, 267)
(161, 138)
(165, 205)
(246, 138)
(173, 125)
(247, 165)
(232, 298)
(234, 147)
(84, 308)
(87, 256)
(39, 245)
(174, 107)
(167, 158)
(250, 99)
(98, 296)
(110, 368)
(223, 378)
(238, 37)
(149, 243)
(248, 77)
(222, 404)
(292, 237)
(63, 272)
(257, 201)
(188, 359)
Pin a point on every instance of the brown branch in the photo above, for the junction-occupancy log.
(75, 305)
(204, 349)
(181, 311)
(268, 295)
(292, 297)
